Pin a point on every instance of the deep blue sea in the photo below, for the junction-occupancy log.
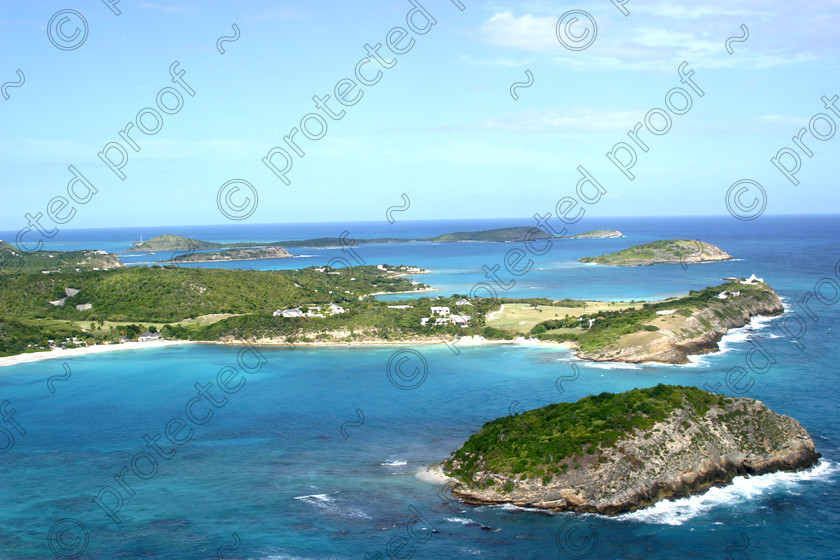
(317, 454)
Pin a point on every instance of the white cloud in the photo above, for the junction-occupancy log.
(780, 34)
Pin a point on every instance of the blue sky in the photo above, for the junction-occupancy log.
(440, 125)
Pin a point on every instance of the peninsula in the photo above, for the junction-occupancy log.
(14, 261)
(667, 331)
(249, 254)
(663, 252)
(614, 453)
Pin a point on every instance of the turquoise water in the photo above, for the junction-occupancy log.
(274, 467)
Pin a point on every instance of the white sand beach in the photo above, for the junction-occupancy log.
(433, 474)
(95, 349)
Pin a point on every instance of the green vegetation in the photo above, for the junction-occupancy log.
(493, 235)
(522, 318)
(170, 242)
(248, 254)
(608, 326)
(668, 251)
(172, 294)
(552, 439)
(15, 261)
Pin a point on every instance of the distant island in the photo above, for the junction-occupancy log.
(662, 252)
(614, 453)
(598, 234)
(171, 242)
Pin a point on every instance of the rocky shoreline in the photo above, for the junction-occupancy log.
(678, 337)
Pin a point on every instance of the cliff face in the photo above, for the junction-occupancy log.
(686, 453)
(679, 335)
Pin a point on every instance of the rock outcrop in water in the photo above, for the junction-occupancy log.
(614, 453)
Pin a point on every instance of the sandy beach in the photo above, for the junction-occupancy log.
(100, 348)
(87, 350)
(434, 474)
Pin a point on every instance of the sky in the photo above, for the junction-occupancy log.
(432, 114)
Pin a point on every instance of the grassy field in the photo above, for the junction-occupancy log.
(522, 317)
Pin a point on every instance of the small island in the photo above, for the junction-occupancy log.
(614, 453)
(670, 251)
(598, 234)
(171, 242)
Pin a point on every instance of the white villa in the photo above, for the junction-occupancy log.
(462, 320)
(752, 280)
(462, 302)
(296, 312)
(725, 294)
(148, 337)
(336, 309)
(311, 311)
(443, 311)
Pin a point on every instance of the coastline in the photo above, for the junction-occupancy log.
(85, 351)
(101, 348)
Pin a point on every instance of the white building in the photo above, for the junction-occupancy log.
(424, 321)
(462, 320)
(752, 280)
(443, 311)
(336, 309)
(296, 312)
(462, 302)
(149, 337)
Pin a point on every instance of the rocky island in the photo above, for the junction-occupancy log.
(171, 242)
(614, 453)
(663, 252)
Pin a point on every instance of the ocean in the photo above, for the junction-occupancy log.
(317, 454)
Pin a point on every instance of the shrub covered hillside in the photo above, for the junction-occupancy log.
(548, 440)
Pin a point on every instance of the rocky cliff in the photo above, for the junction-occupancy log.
(703, 440)
(681, 332)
